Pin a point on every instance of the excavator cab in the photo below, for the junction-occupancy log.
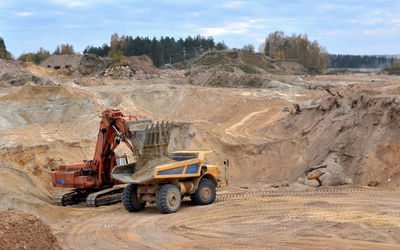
(121, 159)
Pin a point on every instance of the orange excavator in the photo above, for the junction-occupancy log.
(91, 180)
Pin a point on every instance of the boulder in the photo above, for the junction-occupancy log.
(333, 180)
(312, 183)
(300, 180)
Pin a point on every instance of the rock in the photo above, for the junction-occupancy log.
(72, 84)
(348, 180)
(284, 184)
(333, 180)
(323, 176)
(373, 183)
(275, 185)
(300, 180)
(312, 183)
(287, 125)
(346, 109)
(30, 83)
(313, 175)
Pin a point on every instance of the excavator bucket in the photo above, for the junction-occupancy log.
(147, 136)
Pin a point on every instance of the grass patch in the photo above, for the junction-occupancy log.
(248, 69)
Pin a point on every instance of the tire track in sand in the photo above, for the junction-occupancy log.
(351, 217)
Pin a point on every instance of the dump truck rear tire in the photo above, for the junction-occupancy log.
(168, 199)
(130, 199)
(205, 193)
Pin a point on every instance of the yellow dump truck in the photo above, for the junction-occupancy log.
(186, 174)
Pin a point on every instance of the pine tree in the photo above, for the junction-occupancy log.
(4, 54)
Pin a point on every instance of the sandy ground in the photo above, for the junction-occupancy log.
(250, 217)
(242, 125)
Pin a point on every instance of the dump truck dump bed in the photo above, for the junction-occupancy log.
(179, 165)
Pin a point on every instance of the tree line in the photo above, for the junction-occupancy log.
(161, 51)
(167, 49)
(356, 61)
(42, 54)
(311, 55)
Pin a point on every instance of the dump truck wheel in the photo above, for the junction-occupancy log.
(168, 199)
(205, 193)
(130, 199)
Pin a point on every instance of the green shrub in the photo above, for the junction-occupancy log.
(248, 69)
(117, 56)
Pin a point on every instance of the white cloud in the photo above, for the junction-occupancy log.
(76, 4)
(233, 28)
(232, 4)
(213, 31)
(74, 25)
(373, 21)
(194, 14)
(24, 13)
(241, 27)
(71, 4)
(374, 31)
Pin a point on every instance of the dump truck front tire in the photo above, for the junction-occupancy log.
(205, 193)
(168, 199)
(130, 199)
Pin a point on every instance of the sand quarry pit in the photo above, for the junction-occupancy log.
(269, 146)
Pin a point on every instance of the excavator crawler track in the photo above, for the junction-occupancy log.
(105, 197)
(71, 197)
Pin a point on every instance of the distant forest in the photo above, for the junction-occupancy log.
(167, 49)
(353, 61)
(161, 51)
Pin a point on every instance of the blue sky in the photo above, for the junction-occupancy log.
(353, 26)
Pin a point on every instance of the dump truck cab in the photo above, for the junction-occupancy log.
(185, 173)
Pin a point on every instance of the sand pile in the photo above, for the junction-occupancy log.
(290, 68)
(20, 230)
(62, 62)
(360, 128)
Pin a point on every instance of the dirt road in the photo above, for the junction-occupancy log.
(248, 217)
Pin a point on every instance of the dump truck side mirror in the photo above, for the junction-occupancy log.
(226, 162)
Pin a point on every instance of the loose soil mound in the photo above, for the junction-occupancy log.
(20, 230)
(239, 59)
(140, 64)
(93, 64)
(13, 72)
(235, 69)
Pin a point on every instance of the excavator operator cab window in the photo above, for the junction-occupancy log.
(122, 160)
